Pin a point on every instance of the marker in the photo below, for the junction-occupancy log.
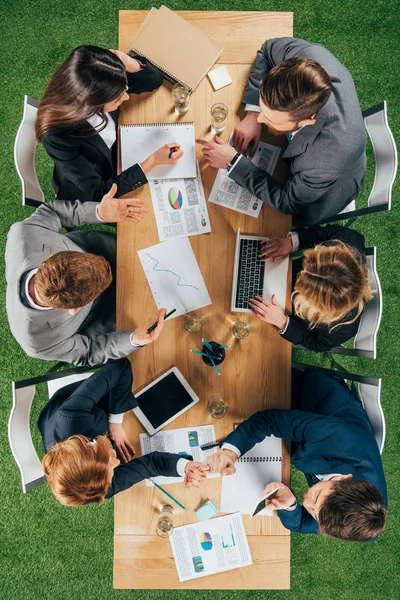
(152, 328)
(209, 446)
(166, 493)
(174, 149)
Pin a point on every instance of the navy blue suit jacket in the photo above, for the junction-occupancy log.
(331, 434)
(82, 408)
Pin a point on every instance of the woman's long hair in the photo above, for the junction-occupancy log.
(79, 471)
(333, 281)
(79, 89)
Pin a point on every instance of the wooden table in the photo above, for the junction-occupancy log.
(256, 371)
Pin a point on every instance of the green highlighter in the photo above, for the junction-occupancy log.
(262, 504)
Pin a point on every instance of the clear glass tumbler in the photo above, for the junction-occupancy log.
(165, 524)
(219, 117)
(193, 323)
(216, 407)
(240, 330)
(181, 96)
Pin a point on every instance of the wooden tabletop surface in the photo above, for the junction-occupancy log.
(256, 372)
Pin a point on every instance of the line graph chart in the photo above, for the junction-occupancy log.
(174, 276)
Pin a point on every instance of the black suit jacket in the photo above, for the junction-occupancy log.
(84, 167)
(83, 408)
(320, 339)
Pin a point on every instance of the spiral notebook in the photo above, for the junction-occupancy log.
(181, 51)
(139, 141)
(254, 471)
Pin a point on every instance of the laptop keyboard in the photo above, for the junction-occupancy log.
(250, 279)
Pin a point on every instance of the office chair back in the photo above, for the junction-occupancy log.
(25, 155)
(369, 391)
(19, 433)
(386, 160)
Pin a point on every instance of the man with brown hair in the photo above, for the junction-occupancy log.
(301, 90)
(61, 288)
(333, 445)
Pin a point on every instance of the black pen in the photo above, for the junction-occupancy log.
(152, 328)
(209, 446)
(172, 151)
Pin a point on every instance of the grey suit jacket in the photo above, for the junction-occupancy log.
(327, 159)
(87, 338)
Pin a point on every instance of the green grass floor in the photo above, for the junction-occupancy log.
(52, 552)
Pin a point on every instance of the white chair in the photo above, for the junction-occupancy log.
(369, 391)
(19, 433)
(385, 152)
(365, 339)
(25, 155)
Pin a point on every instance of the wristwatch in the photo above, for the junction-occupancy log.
(233, 161)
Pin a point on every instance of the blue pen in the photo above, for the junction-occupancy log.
(223, 346)
(204, 354)
(166, 493)
(207, 344)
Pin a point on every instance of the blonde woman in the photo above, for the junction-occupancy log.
(82, 432)
(330, 286)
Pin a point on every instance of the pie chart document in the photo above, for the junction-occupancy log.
(139, 141)
(174, 276)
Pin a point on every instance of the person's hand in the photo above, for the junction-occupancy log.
(130, 64)
(195, 474)
(283, 499)
(114, 210)
(218, 154)
(140, 337)
(247, 134)
(275, 248)
(270, 312)
(160, 157)
(118, 434)
(221, 462)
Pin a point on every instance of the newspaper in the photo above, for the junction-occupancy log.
(180, 207)
(179, 441)
(230, 194)
(209, 547)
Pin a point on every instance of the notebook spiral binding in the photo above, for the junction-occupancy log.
(252, 459)
(167, 74)
(156, 124)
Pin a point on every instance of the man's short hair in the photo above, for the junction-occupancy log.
(299, 86)
(72, 279)
(353, 511)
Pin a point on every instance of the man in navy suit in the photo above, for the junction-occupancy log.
(334, 446)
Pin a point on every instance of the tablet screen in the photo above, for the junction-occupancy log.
(164, 400)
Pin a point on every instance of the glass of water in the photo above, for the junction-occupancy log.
(240, 330)
(216, 407)
(181, 96)
(219, 117)
(165, 524)
(193, 323)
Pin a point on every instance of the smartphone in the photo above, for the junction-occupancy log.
(262, 504)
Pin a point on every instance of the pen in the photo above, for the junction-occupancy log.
(204, 354)
(152, 328)
(171, 152)
(207, 344)
(166, 493)
(209, 446)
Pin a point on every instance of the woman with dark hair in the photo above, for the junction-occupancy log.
(77, 119)
(82, 432)
(330, 286)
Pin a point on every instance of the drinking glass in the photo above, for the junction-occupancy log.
(216, 407)
(193, 323)
(240, 330)
(219, 116)
(181, 96)
(165, 525)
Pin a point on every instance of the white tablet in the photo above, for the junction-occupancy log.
(163, 400)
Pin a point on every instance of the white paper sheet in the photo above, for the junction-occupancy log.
(179, 441)
(139, 141)
(174, 276)
(230, 194)
(180, 207)
(243, 490)
(209, 547)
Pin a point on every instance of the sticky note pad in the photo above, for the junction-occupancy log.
(207, 511)
(219, 78)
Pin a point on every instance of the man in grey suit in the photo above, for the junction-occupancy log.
(60, 295)
(301, 90)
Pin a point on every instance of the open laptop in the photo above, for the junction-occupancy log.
(252, 277)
